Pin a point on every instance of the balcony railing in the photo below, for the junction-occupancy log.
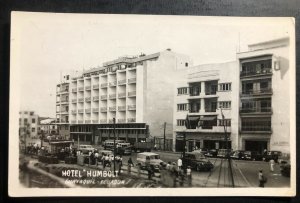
(80, 89)
(103, 109)
(80, 110)
(256, 110)
(74, 111)
(95, 110)
(121, 108)
(210, 109)
(194, 110)
(73, 121)
(64, 112)
(74, 100)
(95, 121)
(211, 92)
(87, 121)
(104, 85)
(122, 82)
(112, 96)
(132, 94)
(103, 97)
(80, 100)
(131, 107)
(121, 120)
(265, 71)
(131, 80)
(103, 120)
(87, 110)
(131, 120)
(257, 92)
(110, 121)
(74, 90)
(257, 128)
(122, 95)
(95, 87)
(64, 100)
(113, 108)
(80, 121)
(87, 87)
(96, 98)
(88, 99)
(114, 83)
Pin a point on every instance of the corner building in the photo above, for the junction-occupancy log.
(136, 91)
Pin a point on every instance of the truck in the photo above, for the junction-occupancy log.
(142, 146)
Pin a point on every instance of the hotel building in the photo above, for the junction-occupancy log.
(136, 91)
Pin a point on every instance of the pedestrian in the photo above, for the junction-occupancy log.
(149, 169)
(130, 164)
(261, 178)
(168, 167)
(155, 147)
(96, 157)
(179, 164)
(174, 173)
(120, 164)
(189, 175)
(272, 163)
(181, 177)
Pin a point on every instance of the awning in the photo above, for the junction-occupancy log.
(194, 118)
(208, 118)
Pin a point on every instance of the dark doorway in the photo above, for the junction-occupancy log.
(256, 146)
(179, 145)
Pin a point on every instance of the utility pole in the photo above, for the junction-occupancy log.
(114, 121)
(227, 148)
(165, 136)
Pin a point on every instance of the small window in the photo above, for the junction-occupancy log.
(225, 104)
(33, 130)
(186, 64)
(25, 112)
(25, 120)
(33, 120)
(31, 113)
(225, 87)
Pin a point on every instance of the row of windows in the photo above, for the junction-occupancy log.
(256, 125)
(225, 87)
(26, 112)
(226, 122)
(186, 106)
(225, 104)
(124, 131)
(197, 90)
(26, 121)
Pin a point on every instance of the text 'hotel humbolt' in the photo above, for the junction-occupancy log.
(144, 92)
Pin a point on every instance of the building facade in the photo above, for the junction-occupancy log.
(264, 96)
(205, 94)
(135, 91)
(28, 122)
(48, 126)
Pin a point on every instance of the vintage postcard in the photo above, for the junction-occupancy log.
(137, 105)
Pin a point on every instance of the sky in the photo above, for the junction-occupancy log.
(46, 45)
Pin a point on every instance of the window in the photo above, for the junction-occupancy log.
(225, 104)
(33, 130)
(226, 122)
(182, 107)
(33, 120)
(25, 112)
(256, 124)
(20, 121)
(186, 64)
(180, 122)
(25, 120)
(31, 113)
(182, 90)
(225, 87)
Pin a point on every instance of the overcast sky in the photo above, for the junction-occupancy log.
(48, 44)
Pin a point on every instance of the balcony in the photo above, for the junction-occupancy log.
(80, 121)
(113, 108)
(74, 101)
(64, 100)
(256, 129)
(95, 87)
(103, 85)
(110, 120)
(112, 96)
(95, 110)
(210, 129)
(87, 121)
(122, 82)
(74, 111)
(194, 91)
(210, 109)
(197, 110)
(249, 93)
(80, 100)
(65, 112)
(80, 110)
(73, 121)
(132, 94)
(262, 72)
(121, 120)
(103, 97)
(122, 108)
(74, 90)
(214, 92)
(122, 95)
(88, 88)
(131, 107)
(80, 89)
(96, 98)
(87, 110)
(88, 99)
(131, 80)
(103, 109)
(112, 84)
(262, 110)
(95, 121)
(131, 120)
(103, 120)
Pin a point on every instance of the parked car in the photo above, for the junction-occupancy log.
(197, 161)
(211, 153)
(285, 168)
(85, 149)
(253, 155)
(275, 155)
(202, 150)
(148, 158)
(222, 152)
(238, 154)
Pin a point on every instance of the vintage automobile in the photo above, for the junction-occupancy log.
(238, 154)
(197, 161)
(148, 158)
(223, 152)
(275, 155)
(253, 155)
(285, 168)
(211, 153)
(85, 149)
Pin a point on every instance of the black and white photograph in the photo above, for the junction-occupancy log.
(139, 105)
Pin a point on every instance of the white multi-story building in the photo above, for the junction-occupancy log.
(28, 121)
(201, 94)
(136, 91)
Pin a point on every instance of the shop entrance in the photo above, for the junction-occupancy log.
(256, 145)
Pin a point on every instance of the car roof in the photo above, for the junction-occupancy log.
(148, 153)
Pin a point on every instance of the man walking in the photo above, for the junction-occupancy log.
(272, 163)
(261, 178)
